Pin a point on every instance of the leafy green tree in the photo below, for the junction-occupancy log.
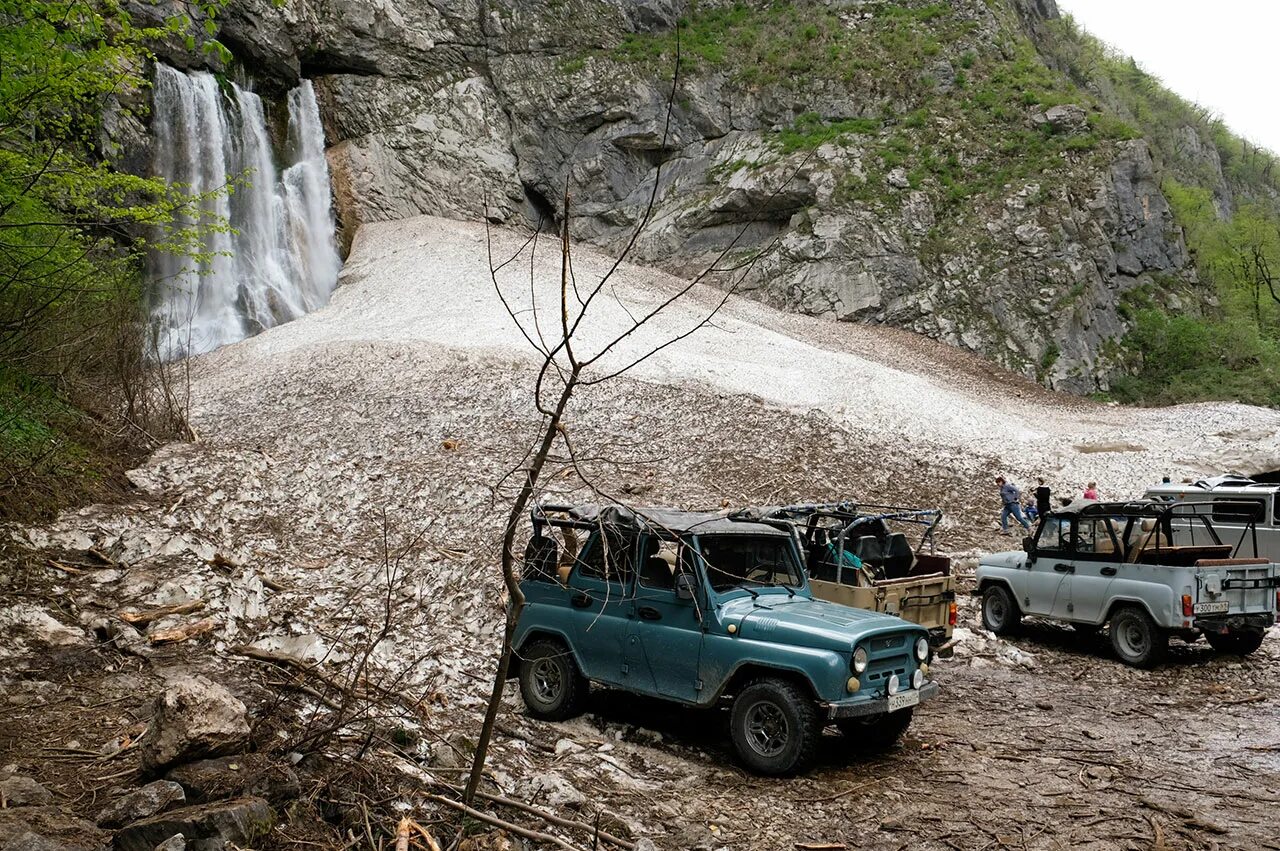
(74, 228)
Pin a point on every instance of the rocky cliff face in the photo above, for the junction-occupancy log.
(906, 163)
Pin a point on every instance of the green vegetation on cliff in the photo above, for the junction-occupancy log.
(1225, 194)
(939, 100)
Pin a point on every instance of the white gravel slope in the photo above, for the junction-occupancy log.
(426, 280)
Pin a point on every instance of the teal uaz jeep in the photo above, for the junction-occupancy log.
(704, 608)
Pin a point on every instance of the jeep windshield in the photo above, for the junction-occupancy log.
(749, 561)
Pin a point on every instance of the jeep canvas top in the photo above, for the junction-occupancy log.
(708, 608)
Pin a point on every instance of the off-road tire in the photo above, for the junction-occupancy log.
(877, 734)
(1235, 643)
(1136, 639)
(1000, 612)
(552, 686)
(775, 727)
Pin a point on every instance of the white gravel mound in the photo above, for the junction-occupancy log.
(426, 280)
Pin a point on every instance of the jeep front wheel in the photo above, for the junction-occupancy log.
(877, 734)
(775, 727)
(552, 686)
(1000, 614)
(1136, 638)
(1235, 643)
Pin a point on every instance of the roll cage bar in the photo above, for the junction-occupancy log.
(1165, 514)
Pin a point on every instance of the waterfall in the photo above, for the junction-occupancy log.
(269, 255)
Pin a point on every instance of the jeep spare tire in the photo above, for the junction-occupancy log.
(1236, 643)
(1000, 614)
(775, 727)
(552, 686)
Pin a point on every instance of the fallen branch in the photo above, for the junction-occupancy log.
(182, 633)
(536, 836)
(299, 665)
(560, 821)
(145, 617)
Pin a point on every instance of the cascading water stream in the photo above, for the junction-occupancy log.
(273, 258)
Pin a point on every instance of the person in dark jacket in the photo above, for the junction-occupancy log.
(1043, 505)
(1012, 499)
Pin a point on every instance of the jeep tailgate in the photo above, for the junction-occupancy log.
(1236, 586)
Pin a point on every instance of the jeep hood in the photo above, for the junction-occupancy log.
(807, 623)
(1013, 558)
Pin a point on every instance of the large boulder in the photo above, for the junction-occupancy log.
(194, 718)
(204, 827)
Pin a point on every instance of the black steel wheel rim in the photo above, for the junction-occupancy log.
(767, 729)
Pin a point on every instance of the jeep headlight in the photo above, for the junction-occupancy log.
(922, 649)
(917, 679)
(860, 660)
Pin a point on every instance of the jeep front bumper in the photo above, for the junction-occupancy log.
(858, 707)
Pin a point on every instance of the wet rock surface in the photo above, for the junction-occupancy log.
(245, 775)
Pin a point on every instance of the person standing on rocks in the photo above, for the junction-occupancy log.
(1012, 499)
(1043, 503)
(1091, 492)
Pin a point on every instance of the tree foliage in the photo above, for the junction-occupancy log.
(74, 227)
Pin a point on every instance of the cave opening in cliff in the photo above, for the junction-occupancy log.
(540, 212)
(1271, 477)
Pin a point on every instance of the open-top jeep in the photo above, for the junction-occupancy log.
(859, 555)
(1150, 570)
(702, 608)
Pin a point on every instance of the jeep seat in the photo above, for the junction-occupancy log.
(869, 550)
(540, 557)
(898, 557)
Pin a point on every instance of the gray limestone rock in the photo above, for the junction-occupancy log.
(141, 803)
(204, 827)
(194, 717)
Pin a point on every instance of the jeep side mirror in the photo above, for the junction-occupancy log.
(1028, 544)
(685, 586)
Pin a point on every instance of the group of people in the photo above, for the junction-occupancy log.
(1011, 498)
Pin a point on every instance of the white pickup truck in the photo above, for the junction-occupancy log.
(1149, 570)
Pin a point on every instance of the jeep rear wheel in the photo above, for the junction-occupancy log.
(877, 734)
(1000, 614)
(552, 686)
(775, 727)
(1237, 643)
(1136, 638)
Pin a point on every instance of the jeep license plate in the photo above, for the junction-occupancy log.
(903, 699)
(1212, 608)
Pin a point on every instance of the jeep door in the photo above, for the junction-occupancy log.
(600, 589)
(1047, 572)
(664, 637)
(1097, 559)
